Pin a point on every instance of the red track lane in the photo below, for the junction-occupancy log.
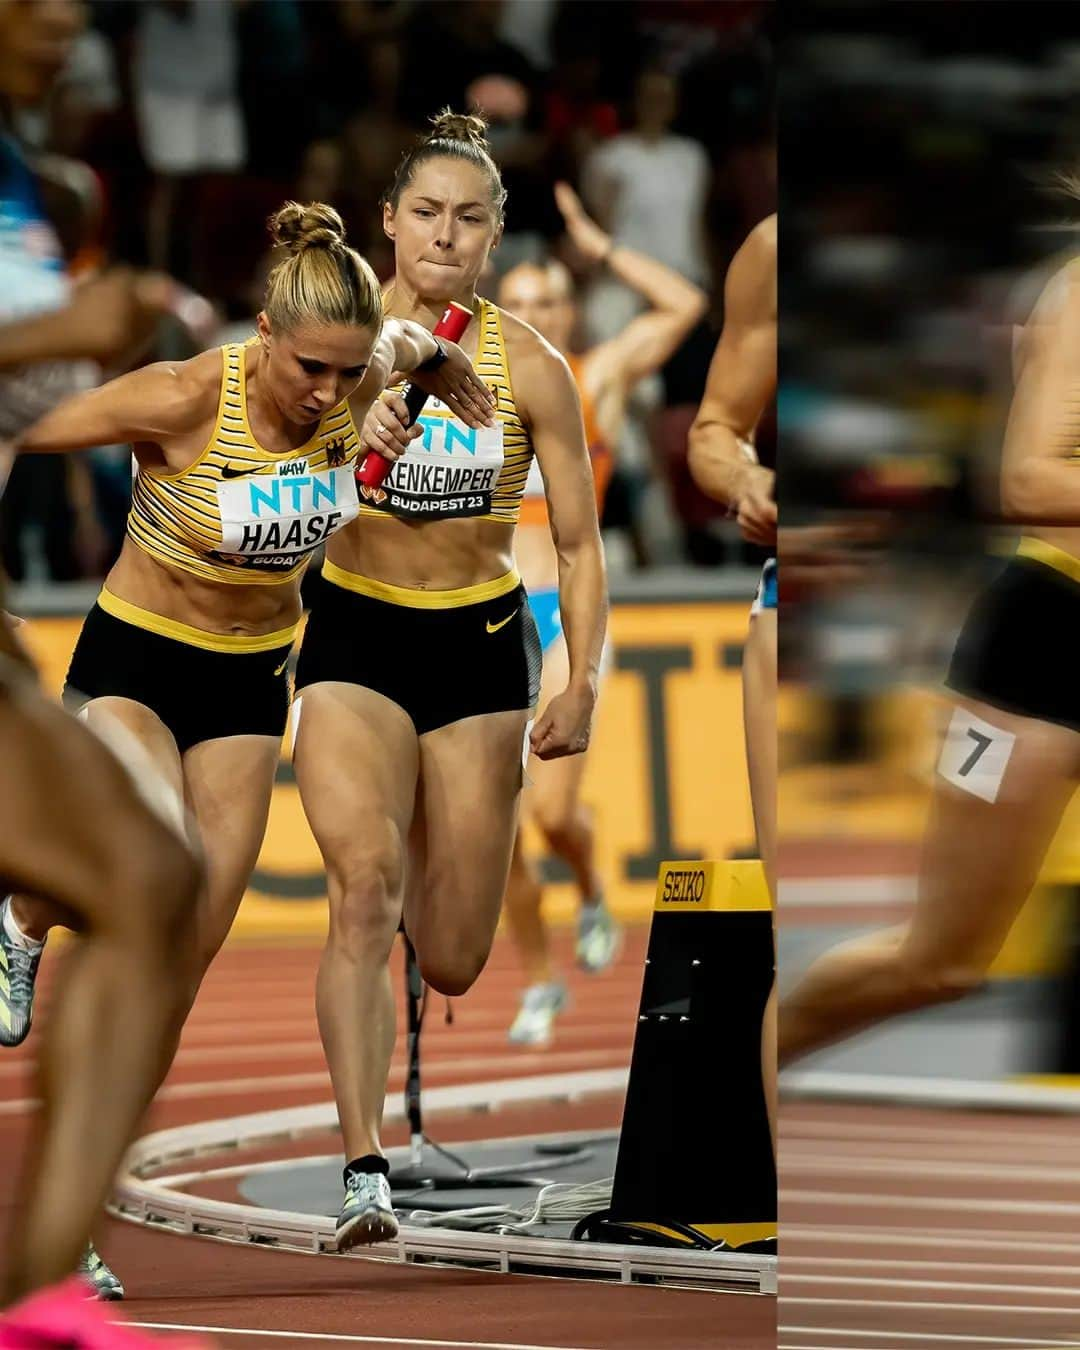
(909, 1230)
(252, 1044)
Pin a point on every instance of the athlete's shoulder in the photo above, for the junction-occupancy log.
(758, 249)
(750, 288)
(1057, 284)
(764, 234)
(184, 393)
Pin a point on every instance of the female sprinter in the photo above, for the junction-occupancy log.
(1011, 754)
(420, 666)
(542, 294)
(244, 466)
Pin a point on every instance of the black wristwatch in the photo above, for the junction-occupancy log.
(438, 358)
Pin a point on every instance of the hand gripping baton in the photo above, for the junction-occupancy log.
(375, 467)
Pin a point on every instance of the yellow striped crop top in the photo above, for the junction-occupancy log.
(454, 470)
(240, 513)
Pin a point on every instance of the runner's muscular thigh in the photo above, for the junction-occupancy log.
(355, 760)
(989, 828)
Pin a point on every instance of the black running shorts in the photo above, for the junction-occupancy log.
(1012, 649)
(438, 665)
(200, 695)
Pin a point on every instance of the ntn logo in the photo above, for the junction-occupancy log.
(444, 433)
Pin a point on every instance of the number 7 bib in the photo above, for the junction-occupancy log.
(975, 755)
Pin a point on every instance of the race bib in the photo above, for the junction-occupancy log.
(449, 471)
(274, 520)
(975, 755)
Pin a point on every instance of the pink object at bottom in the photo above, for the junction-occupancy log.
(63, 1318)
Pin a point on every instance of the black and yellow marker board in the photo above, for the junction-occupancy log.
(695, 1163)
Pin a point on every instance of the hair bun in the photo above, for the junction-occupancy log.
(297, 227)
(451, 126)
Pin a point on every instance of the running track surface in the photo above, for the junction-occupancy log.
(252, 1045)
(905, 1229)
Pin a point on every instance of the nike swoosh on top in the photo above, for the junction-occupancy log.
(228, 471)
(494, 627)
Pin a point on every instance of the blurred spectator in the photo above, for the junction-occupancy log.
(521, 151)
(85, 90)
(357, 50)
(589, 80)
(648, 188)
(526, 25)
(238, 104)
(447, 47)
(272, 56)
(188, 113)
(373, 141)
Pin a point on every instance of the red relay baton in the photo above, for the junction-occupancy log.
(452, 325)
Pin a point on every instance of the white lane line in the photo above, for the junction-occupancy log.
(19, 1106)
(235, 1087)
(921, 1336)
(817, 1165)
(245, 1052)
(298, 1082)
(352, 1339)
(872, 892)
(977, 1287)
(945, 1264)
(902, 1090)
(961, 1146)
(1060, 1243)
(840, 1130)
(242, 1051)
(952, 1204)
(1028, 1310)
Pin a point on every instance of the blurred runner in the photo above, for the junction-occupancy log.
(723, 459)
(1010, 757)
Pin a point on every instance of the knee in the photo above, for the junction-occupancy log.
(365, 902)
(562, 825)
(157, 884)
(451, 973)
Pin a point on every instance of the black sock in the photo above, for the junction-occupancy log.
(370, 1162)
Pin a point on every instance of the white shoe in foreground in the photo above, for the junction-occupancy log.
(367, 1215)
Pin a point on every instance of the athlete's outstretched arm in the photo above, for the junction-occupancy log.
(742, 379)
(676, 304)
(549, 401)
(169, 398)
(1040, 470)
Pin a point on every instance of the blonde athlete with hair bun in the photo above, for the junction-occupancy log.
(542, 294)
(420, 666)
(245, 465)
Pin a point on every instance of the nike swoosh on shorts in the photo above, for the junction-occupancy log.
(494, 627)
